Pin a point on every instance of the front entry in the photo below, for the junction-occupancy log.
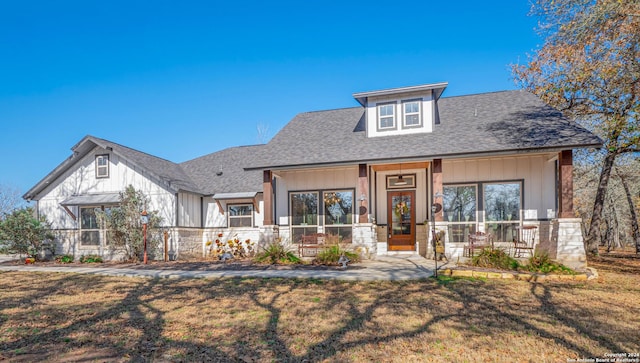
(401, 217)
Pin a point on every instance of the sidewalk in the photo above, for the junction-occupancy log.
(391, 268)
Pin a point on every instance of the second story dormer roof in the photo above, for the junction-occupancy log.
(436, 88)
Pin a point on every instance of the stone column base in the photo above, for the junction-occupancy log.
(569, 243)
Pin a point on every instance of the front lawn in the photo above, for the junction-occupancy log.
(67, 317)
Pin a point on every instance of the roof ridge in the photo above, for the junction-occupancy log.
(484, 93)
(332, 109)
(132, 149)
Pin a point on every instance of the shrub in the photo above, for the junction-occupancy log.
(64, 258)
(495, 259)
(24, 233)
(331, 255)
(541, 262)
(125, 228)
(275, 252)
(91, 259)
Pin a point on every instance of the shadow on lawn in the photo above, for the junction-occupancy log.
(473, 307)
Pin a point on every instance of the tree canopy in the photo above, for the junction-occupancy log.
(589, 68)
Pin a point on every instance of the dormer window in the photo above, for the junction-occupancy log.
(102, 166)
(386, 116)
(411, 110)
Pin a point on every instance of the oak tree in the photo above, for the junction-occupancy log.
(589, 68)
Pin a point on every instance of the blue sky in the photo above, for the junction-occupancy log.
(183, 79)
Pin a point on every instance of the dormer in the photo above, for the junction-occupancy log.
(400, 111)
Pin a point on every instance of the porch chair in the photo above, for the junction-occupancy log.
(478, 241)
(524, 241)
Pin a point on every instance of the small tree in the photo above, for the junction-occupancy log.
(124, 227)
(23, 233)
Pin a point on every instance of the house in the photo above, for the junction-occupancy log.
(378, 176)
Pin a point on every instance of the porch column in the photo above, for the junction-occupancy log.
(363, 187)
(267, 195)
(437, 189)
(565, 204)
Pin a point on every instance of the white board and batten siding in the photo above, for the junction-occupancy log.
(312, 180)
(189, 210)
(81, 180)
(538, 172)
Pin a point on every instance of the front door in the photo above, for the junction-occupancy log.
(401, 217)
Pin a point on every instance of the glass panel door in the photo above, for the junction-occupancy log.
(401, 220)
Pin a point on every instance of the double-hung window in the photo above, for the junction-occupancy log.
(102, 166)
(386, 116)
(411, 113)
(240, 215)
(93, 232)
(89, 228)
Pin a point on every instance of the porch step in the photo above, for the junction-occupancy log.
(401, 253)
(381, 248)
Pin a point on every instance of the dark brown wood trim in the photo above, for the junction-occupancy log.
(565, 203)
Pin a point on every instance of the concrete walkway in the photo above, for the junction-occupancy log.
(391, 268)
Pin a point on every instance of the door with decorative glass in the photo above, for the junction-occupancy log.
(401, 220)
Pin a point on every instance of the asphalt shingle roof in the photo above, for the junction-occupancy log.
(231, 162)
(469, 125)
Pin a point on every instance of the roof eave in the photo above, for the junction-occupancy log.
(555, 148)
(437, 89)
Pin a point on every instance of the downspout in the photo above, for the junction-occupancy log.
(202, 212)
(177, 211)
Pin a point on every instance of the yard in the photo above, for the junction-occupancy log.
(67, 317)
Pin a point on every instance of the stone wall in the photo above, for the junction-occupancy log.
(186, 243)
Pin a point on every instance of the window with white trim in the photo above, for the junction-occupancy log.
(240, 215)
(386, 116)
(102, 166)
(411, 113)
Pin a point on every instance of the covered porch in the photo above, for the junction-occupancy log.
(393, 206)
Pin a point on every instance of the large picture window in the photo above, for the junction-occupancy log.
(240, 215)
(502, 205)
(460, 207)
(338, 215)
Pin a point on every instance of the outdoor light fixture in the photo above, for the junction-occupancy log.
(144, 218)
(401, 180)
